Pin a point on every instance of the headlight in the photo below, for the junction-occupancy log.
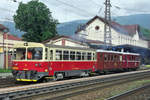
(46, 70)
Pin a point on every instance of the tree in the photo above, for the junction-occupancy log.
(35, 19)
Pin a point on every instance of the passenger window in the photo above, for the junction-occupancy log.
(51, 54)
(112, 58)
(130, 58)
(58, 55)
(78, 56)
(72, 55)
(89, 56)
(65, 55)
(120, 58)
(137, 58)
(94, 56)
(83, 56)
(101, 56)
(46, 53)
(108, 57)
(105, 57)
(126, 58)
(133, 58)
(115, 58)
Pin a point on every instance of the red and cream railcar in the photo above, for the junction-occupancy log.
(36, 61)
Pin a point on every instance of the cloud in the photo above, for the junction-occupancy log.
(67, 10)
(134, 6)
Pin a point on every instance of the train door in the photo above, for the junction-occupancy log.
(107, 61)
(51, 58)
(47, 63)
(105, 65)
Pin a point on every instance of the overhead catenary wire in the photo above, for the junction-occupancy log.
(96, 3)
(9, 11)
(129, 9)
(100, 10)
(79, 9)
(72, 6)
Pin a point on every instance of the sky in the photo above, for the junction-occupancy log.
(69, 10)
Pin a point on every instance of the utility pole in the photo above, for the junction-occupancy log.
(7, 51)
(107, 27)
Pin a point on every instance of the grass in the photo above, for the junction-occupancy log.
(147, 66)
(132, 86)
(123, 88)
(5, 70)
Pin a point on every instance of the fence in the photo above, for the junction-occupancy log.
(3, 61)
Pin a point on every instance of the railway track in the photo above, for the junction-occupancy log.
(10, 81)
(63, 87)
(141, 93)
(72, 92)
(7, 82)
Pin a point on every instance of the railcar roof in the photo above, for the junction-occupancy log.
(28, 44)
(69, 47)
(124, 53)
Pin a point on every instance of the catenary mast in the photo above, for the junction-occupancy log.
(107, 27)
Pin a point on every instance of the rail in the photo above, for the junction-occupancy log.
(132, 94)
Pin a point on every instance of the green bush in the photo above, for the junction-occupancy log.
(147, 65)
(5, 70)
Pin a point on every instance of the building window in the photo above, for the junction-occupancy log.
(97, 27)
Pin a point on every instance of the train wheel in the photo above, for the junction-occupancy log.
(105, 72)
(44, 80)
(84, 74)
(58, 76)
(55, 78)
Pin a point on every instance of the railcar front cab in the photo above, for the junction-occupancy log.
(30, 62)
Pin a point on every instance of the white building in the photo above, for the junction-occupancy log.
(7, 40)
(121, 34)
(6, 44)
(65, 41)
